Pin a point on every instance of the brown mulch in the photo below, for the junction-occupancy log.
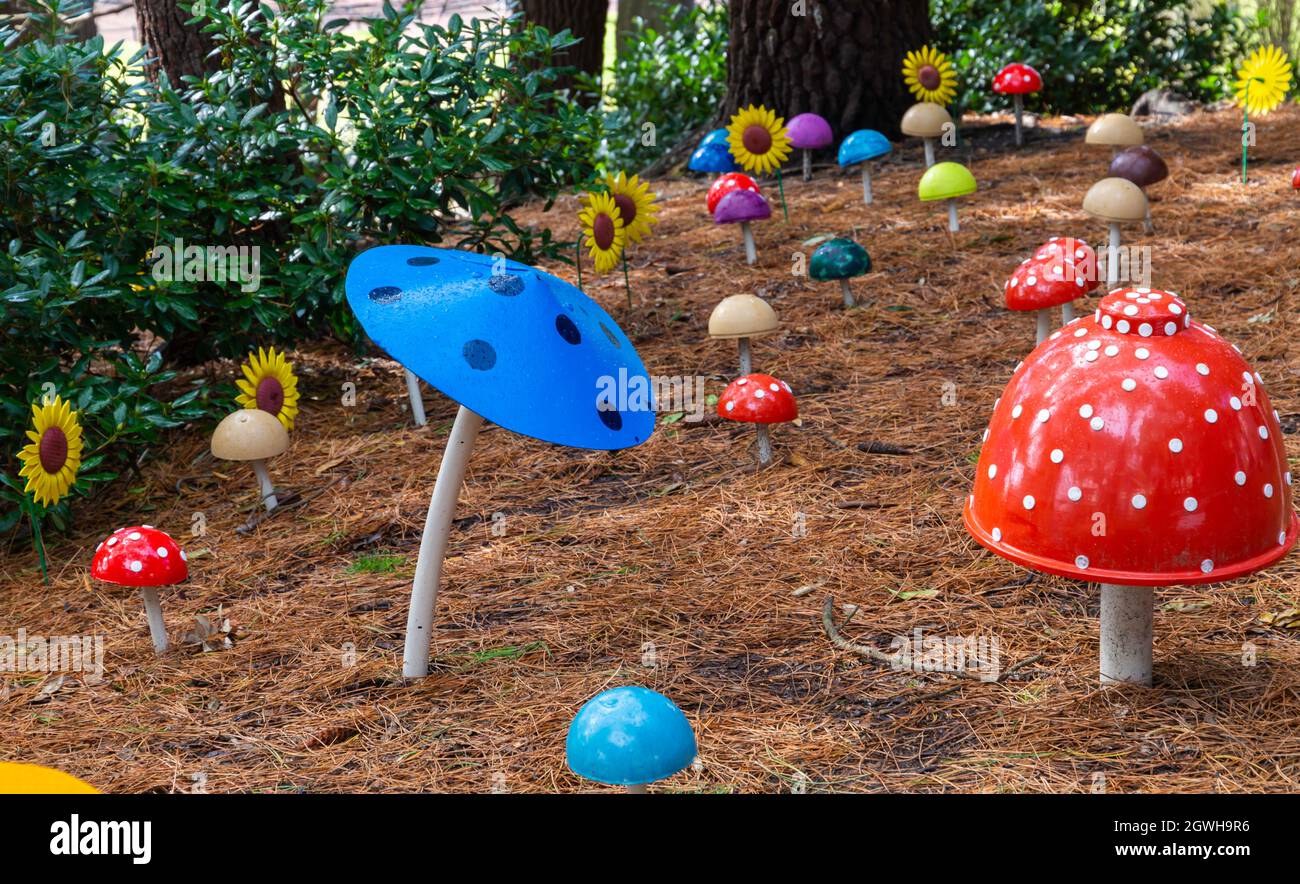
(676, 565)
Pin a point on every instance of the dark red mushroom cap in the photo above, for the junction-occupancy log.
(1062, 269)
(1135, 447)
(140, 556)
(1139, 164)
(1017, 79)
(1295, 178)
(725, 184)
(758, 399)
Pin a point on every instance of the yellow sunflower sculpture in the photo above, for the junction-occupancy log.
(602, 225)
(929, 76)
(636, 205)
(51, 461)
(1263, 80)
(758, 139)
(269, 384)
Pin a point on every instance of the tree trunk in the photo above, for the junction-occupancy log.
(174, 47)
(650, 10)
(842, 59)
(586, 19)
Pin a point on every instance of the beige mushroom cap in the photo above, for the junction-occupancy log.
(925, 120)
(1116, 200)
(1119, 130)
(742, 316)
(249, 434)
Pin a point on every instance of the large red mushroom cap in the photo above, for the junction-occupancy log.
(1062, 269)
(1135, 447)
(1017, 79)
(140, 556)
(725, 184)
(758, 399)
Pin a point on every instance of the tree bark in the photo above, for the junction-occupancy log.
(650, 10)
(842, 59)
(586, 19)
(174, 47)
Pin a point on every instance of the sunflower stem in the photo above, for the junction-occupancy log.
(1245, 128)
(577, 248)
(39, 543)
(627, 286)
(781, 187)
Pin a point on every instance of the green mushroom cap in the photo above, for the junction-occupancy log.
(839, 259)
(943, 181)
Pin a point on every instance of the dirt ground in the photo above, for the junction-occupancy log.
(675, 565)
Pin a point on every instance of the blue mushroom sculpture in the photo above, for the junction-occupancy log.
(509, 343)
(631, 737)
(713, 157)
(717, 136)
(858, 148)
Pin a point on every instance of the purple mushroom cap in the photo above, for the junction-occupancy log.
(1139, 164)
(809, 132)
(740, 206)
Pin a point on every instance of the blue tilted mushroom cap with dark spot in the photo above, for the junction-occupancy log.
(519, 346)
(863, 145)
(715, 157)
(839, 258)
(629, 736)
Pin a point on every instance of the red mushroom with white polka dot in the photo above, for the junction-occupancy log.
(1062, 269)
(146, 558)
(1135, 448)
(762, 400)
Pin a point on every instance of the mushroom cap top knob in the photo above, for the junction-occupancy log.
(249, 434)
(1062, 269)
(809, 132)
(925, 119)
(139, 556)
(524, 349)
(725, 184)
(1139, 164)
(18, 778)
(1116, 130)
(742, 316)
(863, 145)
(629, 736)
(758, 399)
(1017, 79)
(944, 181)
(839, 258)
(713, 157)
(1137, 415)
(740, 205)
(1115, 200)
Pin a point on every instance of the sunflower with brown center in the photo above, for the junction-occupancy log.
(929, 76)
(636, 205)
(758, 139)
(269, 384)
(51, 461)
(602, 225)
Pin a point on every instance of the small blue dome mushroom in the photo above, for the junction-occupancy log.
(518, 346)
(715, 158)
(629, 736)
(717, 136)
(863, 145)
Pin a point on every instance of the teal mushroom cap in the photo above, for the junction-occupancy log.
(839, 258)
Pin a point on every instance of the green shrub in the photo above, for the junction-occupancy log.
(673, 76)
(1094, 56)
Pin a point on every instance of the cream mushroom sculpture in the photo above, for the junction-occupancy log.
(511, 344)
(1116, 201)
(1115, 131)
(252, 435)
(927, 121)
(739, 318)
(1135, 449)
(145, 558)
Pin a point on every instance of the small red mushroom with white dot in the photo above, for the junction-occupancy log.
(1018, 80)
(1059, 271)
(1135, 448)
(146, 558)
(759, 399)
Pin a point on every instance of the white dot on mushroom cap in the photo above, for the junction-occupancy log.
(1105, 321)
(759, 394)
(1028, 501)
(1207, 566)
(100, 546)
(1281, 538)
(1112, 350)
(1245, 376)
(1161, 372)
(135, 566)
(1017, 411)
(184, 558)
(742, 381)
(1131, 310)
(1287, 476)
(986, 434)
(1235, 403)
(112, 540)
(1057, 455)
(1239, 477)
(1145, 329)
(730, 406)
(1175, 309)
(1074, 493)
(1211, 415)
(1139, 501)
(774, 388)
(1258, 378)
(1189, 504)
(1094, 345)
(162, 552)
(1122, 326)
(1081, 561)
(1268, 490)
(1097, 423)
(1129, 384)
(993, 470)
(1031, 280)
(1263, 432)
(134, 535)
(1081, 332)
(1090, 356)
(1043, 415)
(1175, 445)
(997, 535)
(1171, 328)
(1085, 410)
(1141, 352)
(1202, 368)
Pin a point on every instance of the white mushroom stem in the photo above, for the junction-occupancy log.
(1067, 313)
(746, 357)
(417, 401)
(153, 613)
(264, 485)
(433, 543)
(1146, 225)
(866, 183)
(1112, 256)
(1020, 112)
(1126, 615)
(1044, 324)
(807, 165)
(952, 216)
(751, 254)
(847, 292)
(929, 152)
(637, 789)
(764, 445)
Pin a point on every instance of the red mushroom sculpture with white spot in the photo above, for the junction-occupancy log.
(1062, 269)
(1135, 448)
(759, 399)
(1017, 80)
(146, 558)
